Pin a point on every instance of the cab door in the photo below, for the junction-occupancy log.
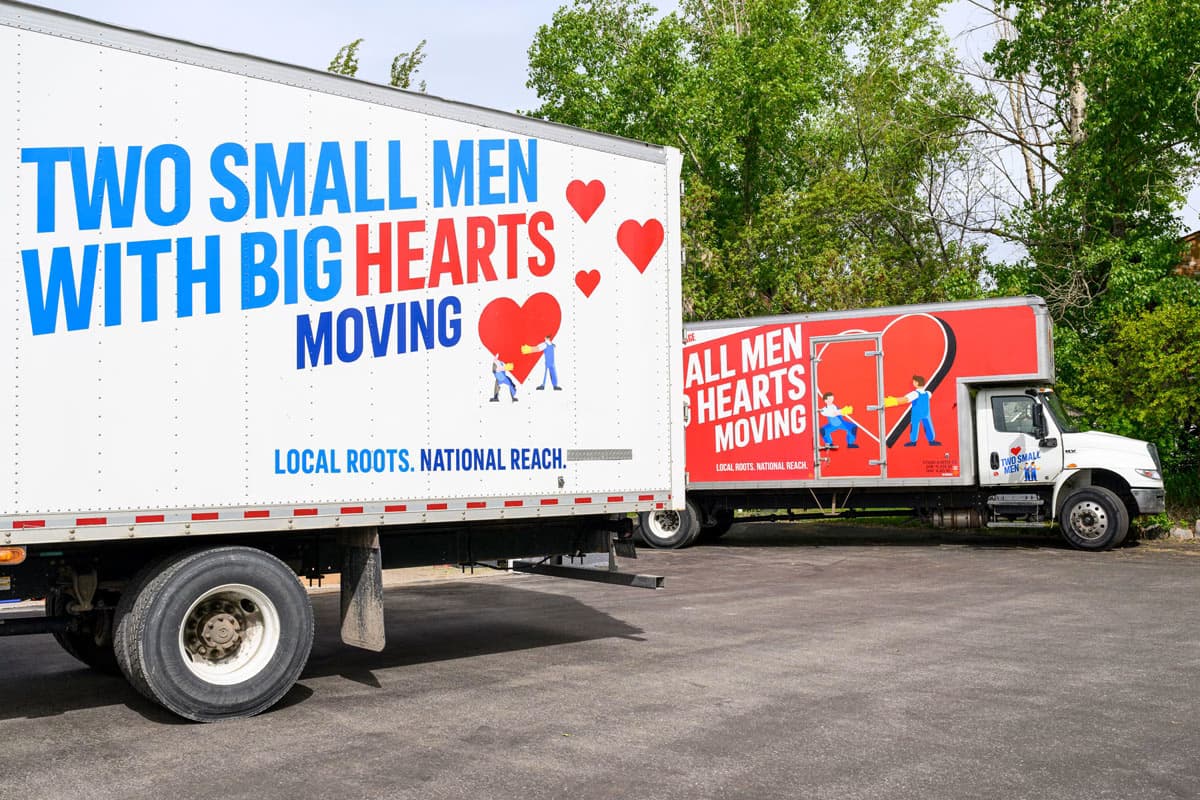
(1018, 442)
(850, 366)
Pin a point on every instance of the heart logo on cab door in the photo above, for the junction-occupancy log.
(505, 326)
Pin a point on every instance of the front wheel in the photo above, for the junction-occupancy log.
(668, 529)
(214, 634)
(1093, 518)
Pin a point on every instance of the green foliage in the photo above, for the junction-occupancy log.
(404, 65)
(346, 60)
(812, 136)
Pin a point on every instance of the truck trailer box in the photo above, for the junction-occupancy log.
(256, 300)
(945, 409)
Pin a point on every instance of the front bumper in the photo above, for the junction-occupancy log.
(1150, 501)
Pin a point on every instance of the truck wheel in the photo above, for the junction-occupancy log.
(722, 522)
(1093, 518)
(92, 642)
(670, 530)
(214, 634)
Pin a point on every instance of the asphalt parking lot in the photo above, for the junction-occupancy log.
(790, 661)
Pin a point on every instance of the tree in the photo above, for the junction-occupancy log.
(404, 65)
(813, 139)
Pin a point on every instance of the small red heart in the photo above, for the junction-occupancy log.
(587, 281)
(504, 326)
(639, 242)
(585, 198)
(1015, 450)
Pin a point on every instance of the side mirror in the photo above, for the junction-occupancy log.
(1048, 443)
(1039, 420)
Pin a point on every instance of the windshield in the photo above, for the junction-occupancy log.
(1058, 412)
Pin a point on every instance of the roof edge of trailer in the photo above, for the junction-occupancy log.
(39, 19)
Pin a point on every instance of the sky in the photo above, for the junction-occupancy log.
(477, 50)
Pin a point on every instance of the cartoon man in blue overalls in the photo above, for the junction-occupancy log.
(501, 372)
(918, 401)
(546, 348)
(836, 419)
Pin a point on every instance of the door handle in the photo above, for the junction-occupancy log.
(995, 460)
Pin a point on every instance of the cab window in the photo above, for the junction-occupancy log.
(1013, 414)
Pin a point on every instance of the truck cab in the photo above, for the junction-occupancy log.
(1034, 466)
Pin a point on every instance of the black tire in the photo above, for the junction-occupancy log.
(1093, 518)
(92, 641)
(669, 530)
(722, 521)
(214, 634)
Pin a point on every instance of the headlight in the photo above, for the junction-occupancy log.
(1152, 474)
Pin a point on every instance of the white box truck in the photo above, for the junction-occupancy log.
(943, 409)
(264, 322)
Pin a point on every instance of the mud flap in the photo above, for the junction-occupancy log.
(362, 590)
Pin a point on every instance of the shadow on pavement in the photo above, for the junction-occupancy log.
(848, 534)
(425, 623)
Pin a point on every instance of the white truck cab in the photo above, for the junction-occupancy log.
(1038, 467)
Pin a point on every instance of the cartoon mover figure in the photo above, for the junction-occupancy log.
(546, 348)
(918, 400)
(837, 419)
(502, 372)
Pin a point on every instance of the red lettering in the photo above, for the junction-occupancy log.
(539, 220)
(407, 254)
(445, 255)
(510, 222)
(367, 259)
(479, 251)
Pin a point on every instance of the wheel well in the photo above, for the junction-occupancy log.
(1104, 479)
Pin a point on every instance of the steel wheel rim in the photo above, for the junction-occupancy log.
(229, 634)
(1089, 520)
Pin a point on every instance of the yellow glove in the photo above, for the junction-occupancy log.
(526, 349)
(847, 410)
(890, 402)
(508, 366)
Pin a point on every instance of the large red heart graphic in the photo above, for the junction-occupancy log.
(585, 198)
(913, 344)
(587, 281)
(504, 326)
(639, 242)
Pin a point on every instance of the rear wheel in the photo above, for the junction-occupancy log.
(89, 640)
(215, 634)
(668, 529)
(722, 521)
(1093, 518)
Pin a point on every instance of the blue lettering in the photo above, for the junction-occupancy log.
(76, 300)
(489, 171)
(332, 267)
(90, 199)
(350, 335)
(239, 195)
(254, 268)
(330, 183)
(47, 160)
(380, 333)
(182, 201)
(149, 251)
(396, 200)
(522, 169)
(268, 181)
(312, 346)
(362, 201)
(456, 177)
(187, 276)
